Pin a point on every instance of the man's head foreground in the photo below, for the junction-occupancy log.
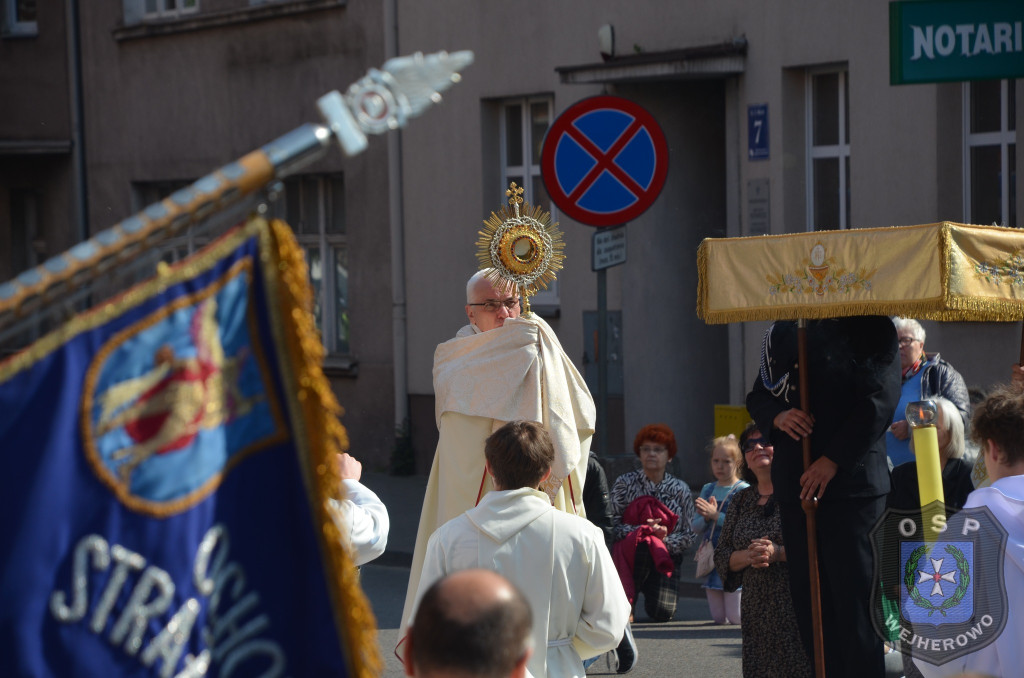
(488, 306)
(519, 454)
(470, 624)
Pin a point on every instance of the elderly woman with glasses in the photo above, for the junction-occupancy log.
(925, 377)
(652, 511)
(750, 553)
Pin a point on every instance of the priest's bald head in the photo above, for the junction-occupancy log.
(470, 624)
(488, 306)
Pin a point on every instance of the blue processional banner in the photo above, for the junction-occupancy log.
(162, 501)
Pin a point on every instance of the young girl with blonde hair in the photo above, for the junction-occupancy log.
(726, 462)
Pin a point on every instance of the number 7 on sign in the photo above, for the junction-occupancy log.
(757, 132)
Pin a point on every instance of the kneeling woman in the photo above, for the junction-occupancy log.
(653, 511)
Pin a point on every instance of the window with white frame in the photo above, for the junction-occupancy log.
(168, 9)
(19, 18)
(314, 206)
(828, 149)
(523, 124)
(990, 152)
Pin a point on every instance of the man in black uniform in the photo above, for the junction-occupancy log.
(853, 375)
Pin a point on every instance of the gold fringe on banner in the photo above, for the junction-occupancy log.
(702, 279)
(321, 434)
(943, 271)
(945, 260)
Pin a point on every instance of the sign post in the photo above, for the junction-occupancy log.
(604, 162)
(609, 249)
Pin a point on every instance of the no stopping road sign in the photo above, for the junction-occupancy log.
(604, 161)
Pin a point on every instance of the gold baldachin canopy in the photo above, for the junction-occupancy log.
(521, 246)
(943, 271)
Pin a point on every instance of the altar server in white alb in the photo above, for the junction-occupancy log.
(998, 427)
(558, 560)
(361, 515)
(499, 368)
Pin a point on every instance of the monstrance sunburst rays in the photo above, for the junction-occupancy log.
(521, 246)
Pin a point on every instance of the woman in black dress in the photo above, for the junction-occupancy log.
(750, 554)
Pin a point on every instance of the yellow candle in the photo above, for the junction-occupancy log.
(929, 473)
(922, 416)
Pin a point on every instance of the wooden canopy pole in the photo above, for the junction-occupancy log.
(810, 507)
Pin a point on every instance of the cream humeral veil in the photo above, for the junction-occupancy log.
(942, 271)
(481, 381)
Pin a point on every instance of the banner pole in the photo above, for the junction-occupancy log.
(810, 507)
(602, 364)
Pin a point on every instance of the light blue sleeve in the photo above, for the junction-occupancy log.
(698, 522)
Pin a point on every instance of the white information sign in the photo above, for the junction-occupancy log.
(609, 248)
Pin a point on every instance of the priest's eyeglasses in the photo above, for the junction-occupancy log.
(492, 305)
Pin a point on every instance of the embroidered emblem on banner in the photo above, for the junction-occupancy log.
(819, 274)
(175, 400)
(937, 578)
(945, 577)
(1009, 271)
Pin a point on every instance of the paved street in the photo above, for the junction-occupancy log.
(688, 646)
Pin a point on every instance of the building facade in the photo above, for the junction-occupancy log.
(779, 117)
(841, 148)
(169, 91)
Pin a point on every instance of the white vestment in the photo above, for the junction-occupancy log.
(483, 380)
(363, 518)
(559, 561)
(1005, 656)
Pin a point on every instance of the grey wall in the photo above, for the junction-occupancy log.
(34, 80)
(674, 361)
(177, 106)
(905, 169)
(35, 110)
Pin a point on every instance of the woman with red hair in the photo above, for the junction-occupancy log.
(653, 511)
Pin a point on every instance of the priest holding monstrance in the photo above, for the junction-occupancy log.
(506, 364)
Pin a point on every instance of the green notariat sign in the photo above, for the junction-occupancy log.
(952, 40)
